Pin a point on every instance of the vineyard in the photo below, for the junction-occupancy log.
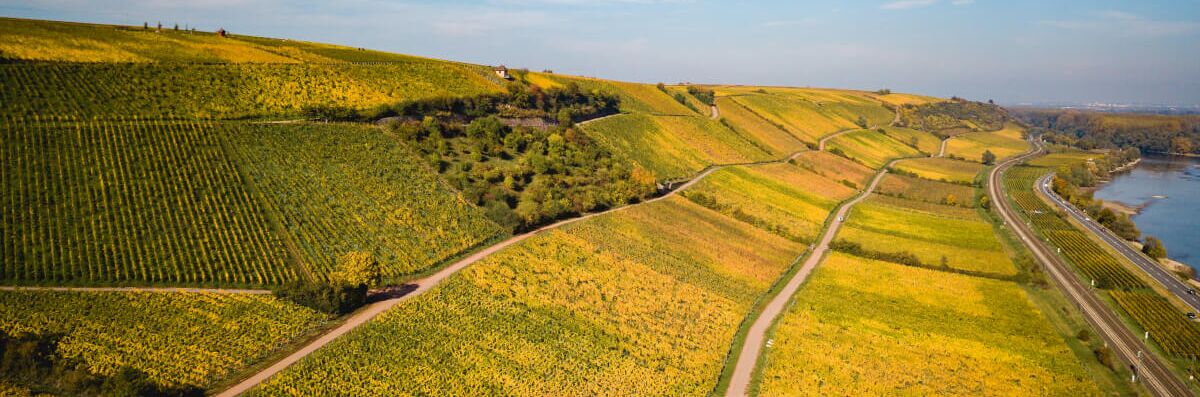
(779, 141)
(921, 140)
(175, 338)
(1091, 259)
(635, 98)
(131, 202)
(1064, 159)
(904, 186)
(639, 302)
(937, 235)
(870, 147)
(863, 327)
(673, 146)
(97, 90)
(343, 187)
(1177, 335)
(835, 168)
(907, 99)
(803, 119)
(782, 198)
(1003, 143)
(940, 169)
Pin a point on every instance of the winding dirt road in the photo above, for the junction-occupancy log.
(739, 383)
(715, 114)
(362, 316)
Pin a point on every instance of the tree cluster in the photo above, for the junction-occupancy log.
(944, 118)
(704, 95)
(32, 361)
(343, 292)
(1118, 222)
(525, 177)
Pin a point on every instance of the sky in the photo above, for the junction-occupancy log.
(1013, 51)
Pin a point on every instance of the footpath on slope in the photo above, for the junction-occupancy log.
(1148, 368)
(715, 114)
(739, 383)
(418, 287)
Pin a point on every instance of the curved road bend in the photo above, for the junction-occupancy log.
(1151, 372)
(739, 383)
(1178, 288)
(715, 114)
(425, 284)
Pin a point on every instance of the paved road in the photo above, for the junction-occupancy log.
(361, 316)
(739, 383)
(1148, 265)
(1152, 373)
(137, 289)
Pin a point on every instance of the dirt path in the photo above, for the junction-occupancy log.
(739, 383)
(821, 143)
(361, 316)
(715, 114)
(136, 289)
(942, 151)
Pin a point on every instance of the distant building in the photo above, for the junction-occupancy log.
(221, 32)
(503, 72)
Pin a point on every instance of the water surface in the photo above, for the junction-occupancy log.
(1169, 188)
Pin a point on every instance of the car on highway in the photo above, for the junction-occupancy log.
(1191, 316)
(1191, 291)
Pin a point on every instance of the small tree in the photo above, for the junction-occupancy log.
(950, 199)
(357, 268)
(862, 122)
(985, 202)
(1154, 248)
(989, 158)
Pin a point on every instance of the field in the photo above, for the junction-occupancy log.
(635, 98)
(1092, 260)
(941, 169)
(870, 147)
(1003, 143)
(932, 232)
(1177, 335)
(836, 168)
(673, 146)
(923, 141)
(782, 198)
(175, 338)
(154, 90)
(907, 99)
(863, 327)
(186, 203)
(803, 119)
(131, 202)
(778, 140)
(342, 187)
(908, 187)
(640, 302)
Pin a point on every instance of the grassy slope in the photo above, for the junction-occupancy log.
(863, 327)
(644, 301)
(870, 147)
(925, 142)
(926, 190)
(778, 140)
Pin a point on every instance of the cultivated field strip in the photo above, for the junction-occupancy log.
(136, 201)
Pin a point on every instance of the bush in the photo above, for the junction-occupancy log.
(1153, 247)
(331, 298)
(989, 158)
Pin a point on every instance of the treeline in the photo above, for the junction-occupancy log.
(951, 117)
(523, 177)
(1095, 130)
(32, 361)
(1118, 222)
(711, 202)
(562, 105)
(909, 259)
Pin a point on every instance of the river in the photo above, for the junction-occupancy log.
(1168, 190)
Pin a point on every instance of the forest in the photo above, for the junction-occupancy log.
(1149, 133)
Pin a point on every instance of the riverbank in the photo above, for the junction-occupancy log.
(1161, 194)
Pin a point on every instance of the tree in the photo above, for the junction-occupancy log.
(1181, 145)
(985, 202)
(950, 199)
(1153, 247)
(356, 268)
(862, 122)
(989, 158)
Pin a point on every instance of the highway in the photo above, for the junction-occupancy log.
(1168, 280)
(1150, 371)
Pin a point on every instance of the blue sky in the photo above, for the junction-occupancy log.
(1010, 51)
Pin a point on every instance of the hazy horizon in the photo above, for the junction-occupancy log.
(1012, 52)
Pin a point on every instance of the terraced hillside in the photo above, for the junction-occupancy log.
(870, 147)
(1003, 143)
(940, 169)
